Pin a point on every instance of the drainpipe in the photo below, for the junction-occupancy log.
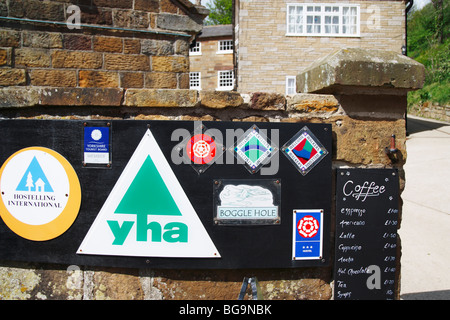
(409, 4)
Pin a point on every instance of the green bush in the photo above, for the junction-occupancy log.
(438, 92)
(429, 44)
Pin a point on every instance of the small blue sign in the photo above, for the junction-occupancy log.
(307, 238)
(96, 145)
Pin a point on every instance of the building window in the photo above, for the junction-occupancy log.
(195, 81)
(350, 19)
(225, 80)
(323, 20)
(291, 85)
(225, 46)
(195, 49)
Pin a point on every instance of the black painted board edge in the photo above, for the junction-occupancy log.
(66, 137)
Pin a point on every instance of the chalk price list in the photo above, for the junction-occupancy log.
(366, 234)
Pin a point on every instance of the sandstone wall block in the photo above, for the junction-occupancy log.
(31, 57)
(10, 38)
(12, 77)
(160, 98)
(53, 78)
(267, 101)
(163, 80)
(100, 79)
(5, 56)
(77, 59)
(132, 80)
(220, 99)
(312, 103)
(175, 22)
(170, 64)
(126, 62)
(108, 44)
(13, 97)
(371, 71)
(81, 97)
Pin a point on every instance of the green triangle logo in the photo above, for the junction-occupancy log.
(148, 194)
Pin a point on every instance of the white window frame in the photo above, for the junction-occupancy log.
(320, 20)
(223, 46)
(223, 76)
(196, 50)
(290, 88)
(198, 78)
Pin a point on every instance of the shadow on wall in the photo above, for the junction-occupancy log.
(430, 295)
(415, 125)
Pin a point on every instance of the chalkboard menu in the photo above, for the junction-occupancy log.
(366, 234)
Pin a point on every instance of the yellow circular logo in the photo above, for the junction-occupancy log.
(40, 194)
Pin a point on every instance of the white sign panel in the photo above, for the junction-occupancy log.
(246, 202)
(241, 202)
(40, 193)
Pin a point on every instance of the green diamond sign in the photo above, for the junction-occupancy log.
(254, 149)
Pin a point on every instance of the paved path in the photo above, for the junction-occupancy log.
(425, 227)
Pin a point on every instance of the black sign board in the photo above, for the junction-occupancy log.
(366, 234)
(99, 168)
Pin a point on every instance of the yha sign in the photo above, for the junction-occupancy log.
(147, 213)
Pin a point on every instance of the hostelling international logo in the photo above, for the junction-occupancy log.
(40, 193)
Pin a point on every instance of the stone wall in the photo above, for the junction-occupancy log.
(431, 110)
(118, 44)
(358, 141)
